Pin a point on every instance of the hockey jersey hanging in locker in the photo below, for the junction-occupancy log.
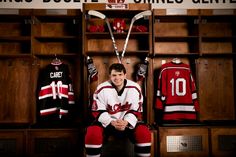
(176, 94)
(56, 95)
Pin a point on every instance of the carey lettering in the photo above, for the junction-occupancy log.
(56, 74)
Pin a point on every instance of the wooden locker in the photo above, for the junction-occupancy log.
(223, 141)
(183, 141)
(216, 89)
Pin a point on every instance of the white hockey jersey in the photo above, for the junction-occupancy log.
(108, 104)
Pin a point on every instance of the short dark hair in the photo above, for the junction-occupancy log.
(117, 67)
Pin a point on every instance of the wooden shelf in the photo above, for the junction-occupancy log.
(176, 38)
(106, 35)
(109, 53)
(56, 38)
(15, 56)
(71, 55)
(192, 55)
(218, 55)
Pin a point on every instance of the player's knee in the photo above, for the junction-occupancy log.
(94, 134)
(142, 134)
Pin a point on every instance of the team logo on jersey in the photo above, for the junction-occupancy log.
(118, 108)
(56, 68)
(177, 73)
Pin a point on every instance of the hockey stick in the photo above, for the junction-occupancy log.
(142, 73)
(102, 16)
(135, 18)
(93, 72)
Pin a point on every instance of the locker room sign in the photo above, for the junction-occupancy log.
(156, 4)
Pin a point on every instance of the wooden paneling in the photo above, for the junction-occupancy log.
(223, 141)
(216, 92)
(53, 143)
(17, 91)
(12, 143)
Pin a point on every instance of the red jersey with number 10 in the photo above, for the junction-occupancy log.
(176, 94)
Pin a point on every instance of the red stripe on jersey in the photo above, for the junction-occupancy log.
(63, 90)
(63, 112)
(71, 98)
(47, 112)
(98, 91)
(45, 91)
(180, 116)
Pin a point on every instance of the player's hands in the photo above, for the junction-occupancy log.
(122, 124)
(119, 124)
